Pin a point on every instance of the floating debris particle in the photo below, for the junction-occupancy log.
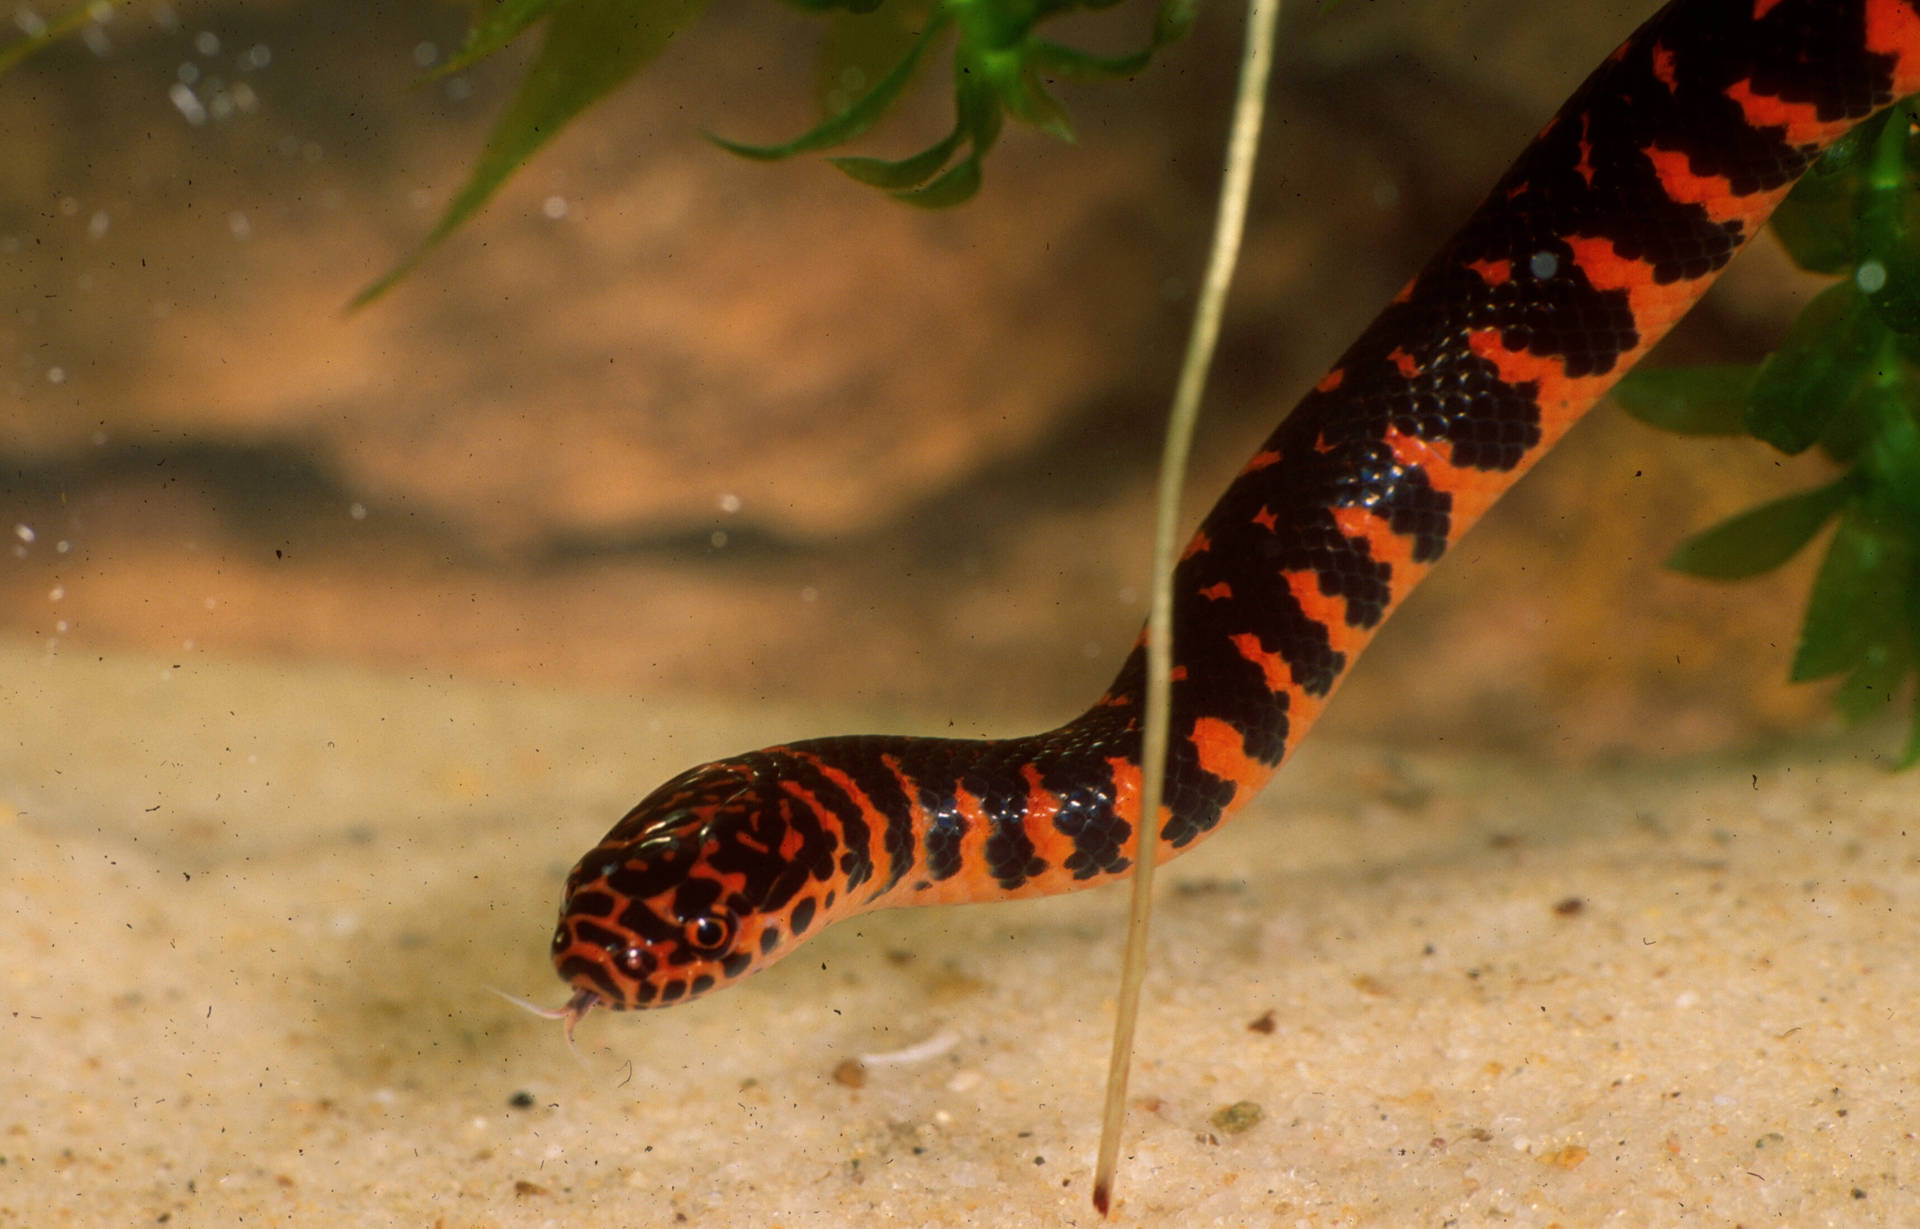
(1238, 1117)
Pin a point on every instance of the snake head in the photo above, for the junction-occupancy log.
(715, 874)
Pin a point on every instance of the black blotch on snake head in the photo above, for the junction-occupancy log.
(693, 889)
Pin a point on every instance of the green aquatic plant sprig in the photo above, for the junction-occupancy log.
(1847, 381)
(1001, 67)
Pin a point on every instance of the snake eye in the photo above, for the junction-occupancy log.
(709, 933)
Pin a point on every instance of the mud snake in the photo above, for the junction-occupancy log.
(1610, 226)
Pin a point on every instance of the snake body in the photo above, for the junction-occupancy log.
(1610, 226)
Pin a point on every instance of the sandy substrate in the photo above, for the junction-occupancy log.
(251, 912)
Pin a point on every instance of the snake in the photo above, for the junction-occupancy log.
(1613, 222)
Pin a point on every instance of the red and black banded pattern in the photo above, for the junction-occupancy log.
(1610, 226)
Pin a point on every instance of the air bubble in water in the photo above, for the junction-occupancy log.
(187, 103)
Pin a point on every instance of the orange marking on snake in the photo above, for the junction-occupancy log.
(1801, 121)
(1222, 752)
(1493, 272)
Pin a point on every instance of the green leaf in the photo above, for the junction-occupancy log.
(1861, 582)
(492, 32)
(1811, 377)
(856, 119)
(591, 46)
(1171, 22)
(1818, 231)
(1689, 400)
(906, 173)
(1760, 539)
(1870, 686)
(956, 186)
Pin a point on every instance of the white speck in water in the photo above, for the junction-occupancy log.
(165, 17)
(426, 55)
(98, 438)
(1686, 999)
(256, 58)
(94, 36)
(457, 89)
(344, 924)
(60, 626)
(24, 533)
(100, 11)
(719, 539)
(209, 603)
(189, 644)
(1544, 265)
(1128, 595)
(187, 103)
(56, 593)
(420, 198)
(237, 223)
(98, 223)
(1871, 276)
(809, 594)
(729, 503)
(244, 99)
(207, 43)
(56, 375)
(188, 73)
(555, 207)
(358, 511)
(31, 23)
(62, 546)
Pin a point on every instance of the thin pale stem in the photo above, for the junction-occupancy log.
(1236, 180)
